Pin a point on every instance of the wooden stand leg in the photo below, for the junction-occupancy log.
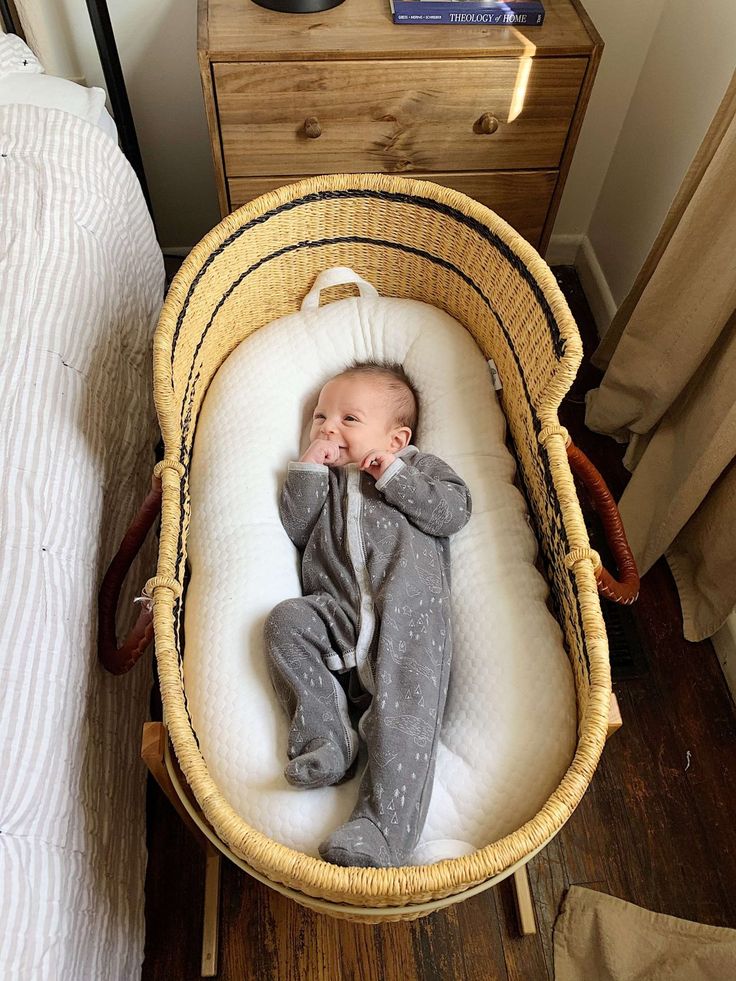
(153, 747)
(211, 912)
(152, 751)
(523, 901)
(614, 717)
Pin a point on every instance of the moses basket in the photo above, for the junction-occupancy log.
(410, 239)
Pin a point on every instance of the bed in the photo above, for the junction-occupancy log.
(81, 286)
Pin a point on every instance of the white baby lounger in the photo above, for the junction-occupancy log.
(445, 285)
(509, 728)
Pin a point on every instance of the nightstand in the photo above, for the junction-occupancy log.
(493, 112)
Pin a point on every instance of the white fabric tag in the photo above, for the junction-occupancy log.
(495, 377)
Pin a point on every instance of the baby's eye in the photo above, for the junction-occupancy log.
(350, 419)
(318, 415)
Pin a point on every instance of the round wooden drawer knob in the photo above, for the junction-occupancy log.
(312, 128)
(486, 124)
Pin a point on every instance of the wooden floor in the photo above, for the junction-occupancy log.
(656, 828)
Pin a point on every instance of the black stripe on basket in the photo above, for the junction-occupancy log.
(429, 204)
(192, 380)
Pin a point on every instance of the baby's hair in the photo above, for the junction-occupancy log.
(399, 385)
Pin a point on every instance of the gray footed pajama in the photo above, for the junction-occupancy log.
(376, 583)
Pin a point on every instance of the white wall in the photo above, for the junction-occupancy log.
(662, 77)
(684, 77)
(626, 27)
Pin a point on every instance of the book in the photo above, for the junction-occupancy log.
(488, 13)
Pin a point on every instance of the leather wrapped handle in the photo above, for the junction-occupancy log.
(625, 589)
(118, 660)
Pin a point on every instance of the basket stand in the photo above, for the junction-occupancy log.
(158, 756)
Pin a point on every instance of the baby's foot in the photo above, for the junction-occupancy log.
(358, 842)
(320, 765)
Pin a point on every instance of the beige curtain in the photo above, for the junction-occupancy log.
(670, 390)
(604, 938)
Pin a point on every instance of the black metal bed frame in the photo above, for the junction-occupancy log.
(6, 14)
(99, 16)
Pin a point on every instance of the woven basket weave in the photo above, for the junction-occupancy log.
(410, 239)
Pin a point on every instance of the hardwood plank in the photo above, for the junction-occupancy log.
(396, 946)
(670, 862)
(174, 894)
(548, 880)
(461, 941)
(590, 837)
(250, 919)
(524, 954)
(703, 753)
(239, 31)
(287, 941)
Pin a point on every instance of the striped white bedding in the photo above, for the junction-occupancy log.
(81, 284)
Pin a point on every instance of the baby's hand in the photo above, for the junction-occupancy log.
(322, 451)
(377, 463)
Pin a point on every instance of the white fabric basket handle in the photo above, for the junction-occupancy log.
(337, 276)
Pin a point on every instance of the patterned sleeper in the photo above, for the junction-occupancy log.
(376, 583)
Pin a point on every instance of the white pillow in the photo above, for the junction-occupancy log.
(510, 724)
(17, 58)
(23, 81)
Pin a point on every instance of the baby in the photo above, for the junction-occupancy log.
(371, 515)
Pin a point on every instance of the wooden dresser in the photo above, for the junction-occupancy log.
(493, 112)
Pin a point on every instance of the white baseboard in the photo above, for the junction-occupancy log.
(725, 644)
(595, 286)
(578, 251)
(563, 250)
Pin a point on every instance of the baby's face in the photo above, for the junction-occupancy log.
(355, 412)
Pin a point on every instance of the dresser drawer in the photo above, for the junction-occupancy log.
(395, 116)
(520, 198)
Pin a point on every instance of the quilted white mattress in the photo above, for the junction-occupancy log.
(510, 723)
